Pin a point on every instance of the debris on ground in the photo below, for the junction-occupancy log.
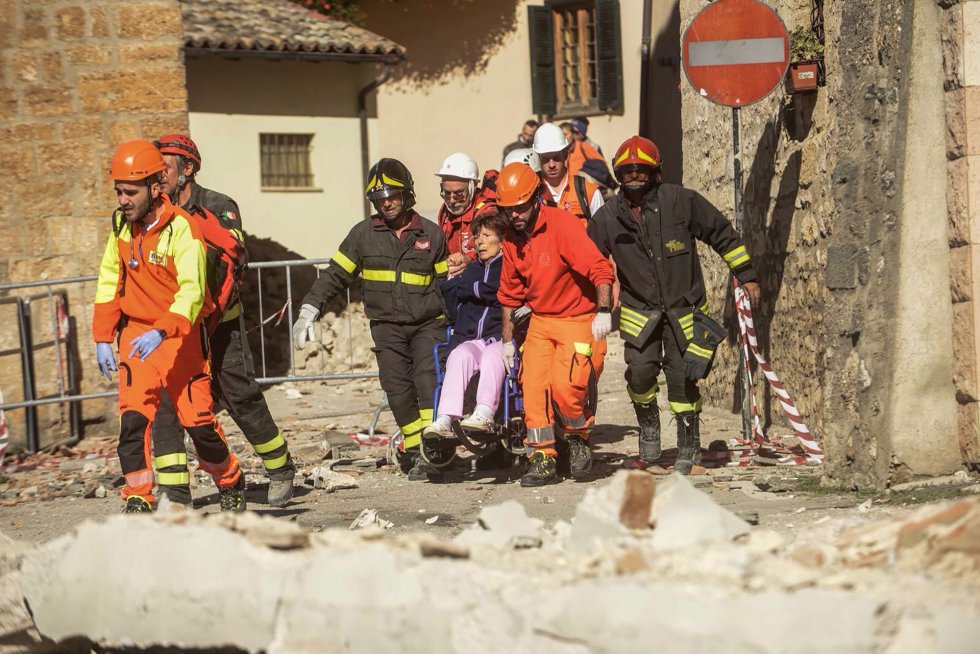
(369, 518)
(654, 562)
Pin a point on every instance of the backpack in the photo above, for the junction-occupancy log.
(226, 261)
(583, 196)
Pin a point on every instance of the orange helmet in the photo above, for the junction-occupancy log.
(180, 145)
(636, 150)
(135, 160)
(516, 184)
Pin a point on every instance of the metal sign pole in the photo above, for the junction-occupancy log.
(743, 373)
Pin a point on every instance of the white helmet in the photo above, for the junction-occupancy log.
(525, 156)
(549, 138)
(460, 165)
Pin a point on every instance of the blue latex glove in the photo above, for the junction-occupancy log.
(145, 343)
(106, 358)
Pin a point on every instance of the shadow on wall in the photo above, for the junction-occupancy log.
(273, 299)
(767, 238)
(664, 99)
(442, 37)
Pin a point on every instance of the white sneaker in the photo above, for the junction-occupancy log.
(477, 421)
(441, 428)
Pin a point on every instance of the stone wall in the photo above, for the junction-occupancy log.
(829, 223)
(961, 58)
(77, 77)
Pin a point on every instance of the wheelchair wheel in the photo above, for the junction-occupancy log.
(438, 454)
(512, 437)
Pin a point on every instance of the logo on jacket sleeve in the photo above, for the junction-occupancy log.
(423, 244)
(675, 246)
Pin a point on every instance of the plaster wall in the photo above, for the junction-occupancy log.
(232, 102)
(467, 83)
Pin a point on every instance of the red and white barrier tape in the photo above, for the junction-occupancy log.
(808, 450)
(277, 316)
(4, 436)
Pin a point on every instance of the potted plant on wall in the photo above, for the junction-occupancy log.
(805, 51)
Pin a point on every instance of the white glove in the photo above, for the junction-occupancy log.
(601, 325)
(304, 328)
(509, 353)
(520, 313)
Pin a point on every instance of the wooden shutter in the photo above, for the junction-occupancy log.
(544, 95)
(609, 55)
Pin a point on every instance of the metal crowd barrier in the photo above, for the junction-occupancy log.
(65, 343)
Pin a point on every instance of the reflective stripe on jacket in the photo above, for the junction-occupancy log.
(656, 258)
(401, 276)
(167, 285)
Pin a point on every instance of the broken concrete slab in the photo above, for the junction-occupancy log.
(503, 525)
(685, 516)
(92, 583)
(330, 481)
(341, 591)
(369, 518)
(958, 477)
(598, 515)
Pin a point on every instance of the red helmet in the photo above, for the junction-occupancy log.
(135, 161)
(636, 150)
(180, 145)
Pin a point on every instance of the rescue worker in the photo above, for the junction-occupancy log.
(525, 155)
(150, 291)
(580, 132)
(233, 384)
(564, 189)
(401, 257)
(551, 266)
(649, 228)
(463, 201)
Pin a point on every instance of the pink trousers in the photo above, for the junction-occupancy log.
(464, 361)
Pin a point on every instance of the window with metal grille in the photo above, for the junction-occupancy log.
(286, 161)
(576, 57)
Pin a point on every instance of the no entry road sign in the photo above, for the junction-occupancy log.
(736, 52)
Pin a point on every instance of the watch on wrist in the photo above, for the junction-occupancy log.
(162, 333)
(605, 310)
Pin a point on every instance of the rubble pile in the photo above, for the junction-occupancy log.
(640, 564)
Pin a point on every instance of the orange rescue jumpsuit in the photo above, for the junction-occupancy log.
(555, 270)
(155, 279)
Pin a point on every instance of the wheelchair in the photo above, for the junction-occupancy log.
(508, 433)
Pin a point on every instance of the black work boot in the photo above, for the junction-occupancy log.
(648, 418)
(416, 468)
(579, 457)
(136, 504)
(233, 497)
(541, 470)
(688, 442)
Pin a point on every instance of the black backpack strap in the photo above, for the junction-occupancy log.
(582, 193)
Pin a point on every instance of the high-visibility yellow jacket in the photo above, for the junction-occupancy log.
(156, 276)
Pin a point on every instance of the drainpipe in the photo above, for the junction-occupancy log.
(645, 53)
(362, 115)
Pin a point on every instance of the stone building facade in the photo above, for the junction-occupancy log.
(961, 81)
(845, 199)
(77, 77)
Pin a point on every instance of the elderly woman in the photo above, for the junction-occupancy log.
(476, 334)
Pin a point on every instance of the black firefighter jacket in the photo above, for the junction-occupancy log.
(656, 258)
(401, 276)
